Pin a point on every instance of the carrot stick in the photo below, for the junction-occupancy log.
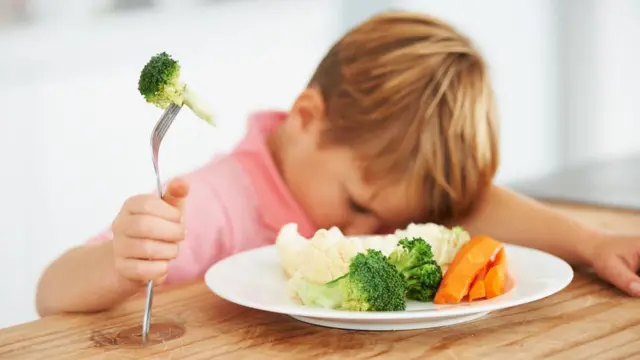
(477, 288)
(496, 278)
(470, 259)
(501, 257)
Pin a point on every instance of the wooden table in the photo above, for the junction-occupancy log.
(588, 320)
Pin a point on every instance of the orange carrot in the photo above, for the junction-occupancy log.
(501, 257)
(470, 259)
(496, 278)
(477, 288)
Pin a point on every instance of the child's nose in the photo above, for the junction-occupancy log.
(362, 225)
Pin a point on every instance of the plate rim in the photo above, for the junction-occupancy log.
(441, 311)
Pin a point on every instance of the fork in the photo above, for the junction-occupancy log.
(159, 130)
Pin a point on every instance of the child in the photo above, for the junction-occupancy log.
(397, 125)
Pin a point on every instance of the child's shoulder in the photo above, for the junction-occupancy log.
(223, 174)
(250, 163)
(246, 178)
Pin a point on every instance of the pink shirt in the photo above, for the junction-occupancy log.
(236, 202)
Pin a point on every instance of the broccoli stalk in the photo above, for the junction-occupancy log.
(372, 284)
(160, 84)
(414, 259)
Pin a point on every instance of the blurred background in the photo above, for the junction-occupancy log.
(75, 132)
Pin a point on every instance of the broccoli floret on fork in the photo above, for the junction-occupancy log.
(160, 85)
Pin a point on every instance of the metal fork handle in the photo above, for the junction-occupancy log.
(158, 133)
(146, 320)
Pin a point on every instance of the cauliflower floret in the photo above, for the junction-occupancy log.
(326, 256)
(385, 243)
(289, 244)
(444, 242)
(348, 247)
(321, 260)
(293, 285)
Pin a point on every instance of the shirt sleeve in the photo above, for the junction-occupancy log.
(217, 210)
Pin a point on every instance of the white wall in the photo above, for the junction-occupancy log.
(600, 76)
(75, 139)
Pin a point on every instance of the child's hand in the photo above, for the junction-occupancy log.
(147, 232)
(617, 260)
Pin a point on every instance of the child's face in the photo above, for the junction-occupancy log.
(327, 181)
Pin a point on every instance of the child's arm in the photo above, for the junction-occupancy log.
(520, 220)
(146, 236)
(147, 241)
(219, 217)
(84, 279)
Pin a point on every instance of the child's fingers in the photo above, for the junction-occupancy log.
(150, 227)
(176, 194)
(151, 205)
(161, 280)
(622, 276)
(142, 270)
(147, 249)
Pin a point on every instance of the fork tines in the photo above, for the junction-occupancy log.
(165, 120)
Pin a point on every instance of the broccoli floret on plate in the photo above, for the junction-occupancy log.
(160, 84)
(372, 284)
(414, 259)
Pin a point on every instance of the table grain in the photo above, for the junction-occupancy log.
(587, 320)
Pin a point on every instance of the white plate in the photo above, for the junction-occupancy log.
(255, 279)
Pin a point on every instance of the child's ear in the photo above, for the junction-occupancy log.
(309, 109)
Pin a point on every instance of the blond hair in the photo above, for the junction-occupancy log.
(412, 96)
